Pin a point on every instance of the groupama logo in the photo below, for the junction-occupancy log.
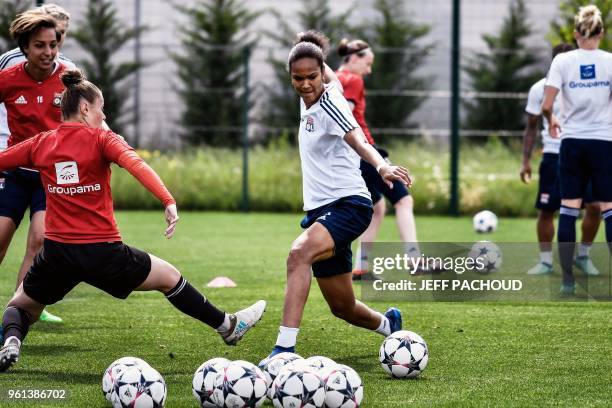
(67, 172)
(587, 71)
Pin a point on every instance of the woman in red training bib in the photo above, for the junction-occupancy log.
(82, 241)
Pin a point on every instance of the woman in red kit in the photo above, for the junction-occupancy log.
(31, 93)
(356, 63)
(82, 241)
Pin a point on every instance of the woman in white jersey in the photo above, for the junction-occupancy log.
(584, 77)
(336, 199)
(548, 200)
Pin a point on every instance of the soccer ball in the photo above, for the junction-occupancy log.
(320, 363)
(343, 388)
(487, 257)
(272, 366)
(115, 369)
(403, 354)
(298, 386)
(240, 384)
(203, 383)
(139, 386)
(485, 221)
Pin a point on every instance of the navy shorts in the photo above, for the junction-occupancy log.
(112, 267)
(549, 189)
(20, 189)
(377, 187)
(581, 160)
(345, 219)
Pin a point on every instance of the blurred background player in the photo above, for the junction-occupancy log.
(548, 200)
(35, 233)
(337, 203)
(82, 241)
(584, 78)
(357, 63)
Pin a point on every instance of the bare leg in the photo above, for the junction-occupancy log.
(312, 245)
(7, 230)
(546, 229)
(405, 219)
(369, 235)
(36, 236)
(590, 222)
(338, 293)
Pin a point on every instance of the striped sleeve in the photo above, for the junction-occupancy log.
(10, 58)
(340, 117)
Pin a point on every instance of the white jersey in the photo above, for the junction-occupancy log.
(584, 78)
(7, 60)
(330, 167)
(534, 107)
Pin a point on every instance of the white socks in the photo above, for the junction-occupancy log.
(584, 249)
(546, 257)
(385, 326)
(287, 336)
(226, 325)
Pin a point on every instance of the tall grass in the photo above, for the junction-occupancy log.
(211, 179)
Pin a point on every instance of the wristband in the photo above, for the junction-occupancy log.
(380, 167)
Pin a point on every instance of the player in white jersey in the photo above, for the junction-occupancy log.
(336, 199)
(35, 233)
(584, 78)
(548, 200)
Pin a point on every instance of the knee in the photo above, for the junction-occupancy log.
(380, 208)
(342, 309)
(297, 256)
(592, 209)
(406, 203)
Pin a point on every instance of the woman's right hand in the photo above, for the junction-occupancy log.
(172, 218)
(391, 173)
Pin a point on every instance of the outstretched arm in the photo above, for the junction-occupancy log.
(356, 139)
(17, 155)
(133, 163)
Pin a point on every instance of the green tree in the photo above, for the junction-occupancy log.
(509, 65)
(562, 29)
(282, 106)
(8, 10)
(399, 53)
(102, 34)
(211, 70)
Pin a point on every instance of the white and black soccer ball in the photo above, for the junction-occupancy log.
(343, 388)
(203, 383)
(403, 354)
(486, 256)
(485, 222)
(141, 387)
(320, 363)
(298, 386)
(272, 366)
(114, 370)
(240, 384)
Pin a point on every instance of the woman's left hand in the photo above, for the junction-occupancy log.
(391, 173)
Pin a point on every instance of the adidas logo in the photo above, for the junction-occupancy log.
(21, 100)
(241, 327)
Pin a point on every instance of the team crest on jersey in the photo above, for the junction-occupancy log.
(67, 172)
(309, 124)
(57, 99)
(587, 71)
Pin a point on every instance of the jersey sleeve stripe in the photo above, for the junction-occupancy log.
(333, 115)
(6, 59)
(339, 116)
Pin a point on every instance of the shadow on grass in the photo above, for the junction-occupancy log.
(51, 349)
(55, 377)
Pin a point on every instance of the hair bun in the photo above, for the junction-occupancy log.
(343, 48)
(315, 37)
(72, 78)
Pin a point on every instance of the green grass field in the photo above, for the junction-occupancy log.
(481, 354)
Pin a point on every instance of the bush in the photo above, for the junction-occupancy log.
(211, 179)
